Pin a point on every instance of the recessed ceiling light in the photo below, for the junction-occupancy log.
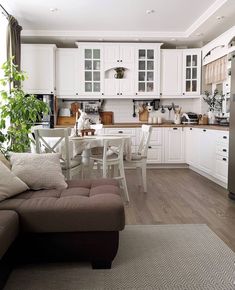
(54, 9)
(150, 11)
(220, 17)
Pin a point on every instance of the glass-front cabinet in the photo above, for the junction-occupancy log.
(91, 70)
(148, 69)
(191, 71)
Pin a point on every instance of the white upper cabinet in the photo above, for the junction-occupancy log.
(91, 71)
(171, 72)
(147, 69)
(191, 72)
(38, 61)
(67, 72)
(118, 56)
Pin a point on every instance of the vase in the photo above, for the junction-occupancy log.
(211, 117)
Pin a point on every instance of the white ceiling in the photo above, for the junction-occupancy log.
(176, 22)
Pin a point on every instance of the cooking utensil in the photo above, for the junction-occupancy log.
(134, 113)
(169, 109)
(163, 110)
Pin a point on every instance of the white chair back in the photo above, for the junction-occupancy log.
(113, 150)
(32, 138)
(59, 136)
(146, 131)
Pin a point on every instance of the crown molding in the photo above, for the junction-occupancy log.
(204, 17)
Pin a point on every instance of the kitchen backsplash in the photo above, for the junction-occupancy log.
(123, 109)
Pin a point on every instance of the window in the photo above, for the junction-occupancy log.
(3, 31)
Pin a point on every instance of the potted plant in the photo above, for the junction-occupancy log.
(214, 102)
(18, 112)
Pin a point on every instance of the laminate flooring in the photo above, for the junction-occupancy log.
(181, 196)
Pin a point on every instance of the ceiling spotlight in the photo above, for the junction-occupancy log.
(54, 9)
(220, 18)
(150, 11)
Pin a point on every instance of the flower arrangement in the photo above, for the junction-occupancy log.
(214, 101)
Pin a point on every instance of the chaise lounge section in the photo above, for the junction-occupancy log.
(81, 222)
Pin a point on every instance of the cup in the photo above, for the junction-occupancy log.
(154, 120)
(159, 120)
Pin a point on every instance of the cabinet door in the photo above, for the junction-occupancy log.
(67, 72)
(154, 154)
(147, 70)
(126, 86)
(38, 61)
(191, 71)
(221, 168)
(91, 74)
(207, 150)
(111, 87)
(192, 146)
(174, 145)
(127, 131)
(127, 55)
(171, 72)
(111, 55)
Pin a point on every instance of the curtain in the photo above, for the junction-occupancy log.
(216, 71)
(13, 40)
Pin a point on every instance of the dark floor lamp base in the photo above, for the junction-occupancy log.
(231, 195)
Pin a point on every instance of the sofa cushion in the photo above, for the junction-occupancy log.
(5, 161)
(8, 229)
(10, 184)
(38, 171)
(84, 206)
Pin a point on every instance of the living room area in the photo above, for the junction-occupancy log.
(116, 144)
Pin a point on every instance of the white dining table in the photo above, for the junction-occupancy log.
(82, 145)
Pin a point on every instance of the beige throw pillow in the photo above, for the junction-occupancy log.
(5, 161)
(38, 171)
(10, 184)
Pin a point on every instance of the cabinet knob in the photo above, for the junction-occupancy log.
(51, 92)
(136, 93)
(121, 60)
(191, 129)
(183, 94)
(175, 128)
(118, 60)
(76, 93)
(117, 93)
(149, 147)
(224, 137)
(160, 94)
(120, 93)
(102, 94)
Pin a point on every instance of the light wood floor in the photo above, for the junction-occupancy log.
(181, 196)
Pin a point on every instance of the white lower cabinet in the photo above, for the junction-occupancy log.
(207, 150)
(174, 145)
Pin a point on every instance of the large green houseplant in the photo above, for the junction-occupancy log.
(20, 110)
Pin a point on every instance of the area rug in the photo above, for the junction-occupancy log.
(149, 257)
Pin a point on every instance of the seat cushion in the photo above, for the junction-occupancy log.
(86, 205)
(8, 229)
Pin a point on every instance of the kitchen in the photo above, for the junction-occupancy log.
(124, 85)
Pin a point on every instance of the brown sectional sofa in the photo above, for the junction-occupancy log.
(80, 222)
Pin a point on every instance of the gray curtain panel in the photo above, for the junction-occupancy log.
(13, 40)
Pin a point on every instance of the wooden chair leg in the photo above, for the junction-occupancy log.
(123, 181)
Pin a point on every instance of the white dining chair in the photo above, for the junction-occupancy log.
(70, 166)
(139, 159)
(112, 156)
(32, 137)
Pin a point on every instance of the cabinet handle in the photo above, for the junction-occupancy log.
(224, 137)
(51, 92)
(183, 94)
(175, 128)
(149, 147)
(224, 159)
(204, 130)
(120, 93)
(121, 60)
(102, 94)
(118, 60)
(224, 150)
(117, 93)
(120, 132)
(76, 94)
(160, 94)
(136, 93)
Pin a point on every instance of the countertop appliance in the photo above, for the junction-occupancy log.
(189, 118)
(231, 159)
(47, 120)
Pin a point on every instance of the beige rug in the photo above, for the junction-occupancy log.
(150, 257)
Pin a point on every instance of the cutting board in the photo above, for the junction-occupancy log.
(143, 116)
(106, 118)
